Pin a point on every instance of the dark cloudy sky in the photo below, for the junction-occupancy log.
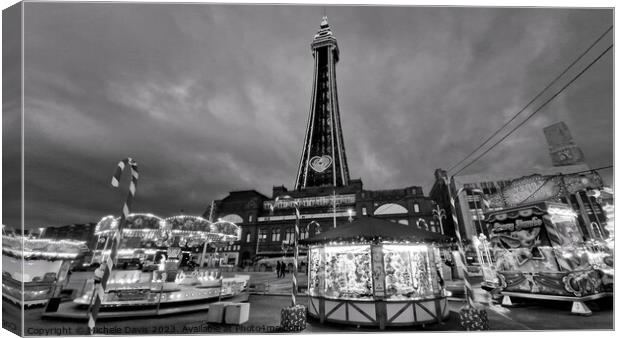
(214, 98)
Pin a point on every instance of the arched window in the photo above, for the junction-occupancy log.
(390, 209)
(275, 235)
(289, 235)
(233, 218)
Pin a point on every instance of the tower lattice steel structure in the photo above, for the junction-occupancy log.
(323, 160)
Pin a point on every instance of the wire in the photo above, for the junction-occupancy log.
(537, 110)
(590, 170)
(534, 99)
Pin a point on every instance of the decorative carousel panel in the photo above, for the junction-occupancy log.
(399, 313)
(445, 310)
(335, 310)
(143, 222)
(407, 272)
(45, 249)
(561, 225)
(574, 283)
(362, 312)
(228, 230)
(425, 311)
(316, 273)
(347, 272)
(313, 306)
(526, 259)
(188, 223)
(107, 223)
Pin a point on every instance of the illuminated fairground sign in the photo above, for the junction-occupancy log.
(531, 189)
(309, 202)
(518, 225)
(538, 188)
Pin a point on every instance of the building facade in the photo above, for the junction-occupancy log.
(267, 222)
(326, 195)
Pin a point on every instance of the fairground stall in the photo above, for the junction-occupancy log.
(377, 273)
(539, 252)
(157, 272)
(37, 265)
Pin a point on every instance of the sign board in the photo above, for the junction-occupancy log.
(319, 201)
(539, 188)
(532, 189)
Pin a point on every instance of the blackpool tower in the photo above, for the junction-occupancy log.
(323, 160)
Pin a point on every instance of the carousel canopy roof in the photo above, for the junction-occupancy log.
(368, 228)
(35, 248)
(151, 227)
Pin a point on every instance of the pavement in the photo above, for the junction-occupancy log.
(265, 316)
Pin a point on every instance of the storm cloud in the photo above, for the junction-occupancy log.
(214, 98)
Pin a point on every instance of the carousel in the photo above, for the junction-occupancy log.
(537, 251)
(37, 265)
(376, 273)
(159, 268)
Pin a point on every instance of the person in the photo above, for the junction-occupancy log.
(278, 269)
(282, 269)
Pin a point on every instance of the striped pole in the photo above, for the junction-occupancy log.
(296, 252)
(469, 291)
(102, 274)
(470, 316)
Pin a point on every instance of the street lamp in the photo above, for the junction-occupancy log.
(295, 244)
(41, 232)
(440, 214)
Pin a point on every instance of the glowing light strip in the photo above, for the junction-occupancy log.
(307, 216)
(28, 254)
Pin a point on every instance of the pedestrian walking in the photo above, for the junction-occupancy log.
(282, 269)
(278, 267)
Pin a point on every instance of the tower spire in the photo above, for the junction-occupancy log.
(323, 160)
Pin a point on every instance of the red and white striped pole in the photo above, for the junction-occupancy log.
(102, 274)
(469, 291)
(471, 318)
(296, 252)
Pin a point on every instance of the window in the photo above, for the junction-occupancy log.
(290, 235)
(233, 218)
(303, 234)
(250, 219)
(275, 235)
(248, 237)
(416, 207)
(364, 212)
(262, 235)
(390, 209)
